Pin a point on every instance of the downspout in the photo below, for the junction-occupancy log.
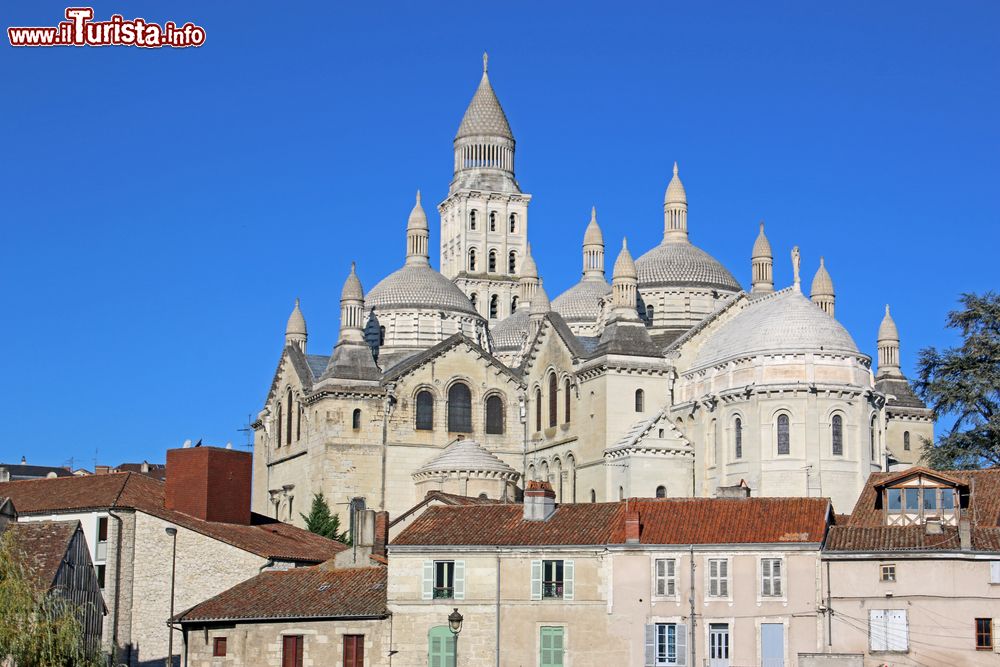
(692, 642)
(386, 412)
(118, 585)
(498, 608)
(829, 609)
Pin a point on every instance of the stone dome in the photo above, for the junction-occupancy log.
(510, 332)
(418, 287)
(683, 264)
(783, 322)
(582, 301)
(465, 456)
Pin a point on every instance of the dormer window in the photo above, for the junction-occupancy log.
(916, 498)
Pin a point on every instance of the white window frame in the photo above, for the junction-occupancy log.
(681, 642)
(882, 567)
(766, 575)
(429, 578)
(669, 580)
(728, 579)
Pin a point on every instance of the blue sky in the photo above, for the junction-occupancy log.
(163, 208)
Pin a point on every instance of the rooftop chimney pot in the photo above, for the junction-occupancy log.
(539, 501)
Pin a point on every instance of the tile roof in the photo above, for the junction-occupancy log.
(264, 536)
(901, 393)
(22, 471)
(865, 529)
(662, 521)
(44, 545)
(300, 593)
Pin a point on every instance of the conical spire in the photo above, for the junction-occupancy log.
(593, 248)
(624, 284)
(352, 306)
(484, 115)
(295, 330)
(528, 282)
(761, 265)
(888, 347)
(352, 357)
(540, 304)
(417, 235)
(352, 290)
(822, 293)
(625, 265)
(528, 266)
(675, 211)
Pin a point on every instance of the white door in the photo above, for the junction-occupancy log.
(718, 645)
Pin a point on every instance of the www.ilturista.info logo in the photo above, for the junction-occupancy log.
(81, 30)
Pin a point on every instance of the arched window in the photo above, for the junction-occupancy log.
(494, 415)
(783, 442)
(472, 259)
(649, 314)
(621, 493)
(513, 303)
(279, 423)
(640, 400)
(493, 221)
(298, 422)
(459, 408)
(425, 411)
(566, 402)
(593, 496)
(512, 263)
(837, 435)
(356, 419)
(288, 422)
(472, 219)
(492, 262)
(538, 409)
(906, 441)
(661, 491)
(381, 336)
(738, 437)
(494, 306)
(871, 439)
(474, 299)
(513, 223)
(553, 399)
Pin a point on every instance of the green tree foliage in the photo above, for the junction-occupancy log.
(37, 629)
(323, 522)
(964, 382)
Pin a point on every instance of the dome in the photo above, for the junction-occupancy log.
(675, 193)
(414, 287)
(509, 333)
(465, 456)
(761, 247)
(624, 265)
(582, 301)
(783, 322)
(352, 287)
(887, 330)
(822, 284)
(683, 264)
(296, 322)
(593, 235)
(484, 116)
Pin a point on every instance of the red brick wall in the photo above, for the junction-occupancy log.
(210, 483)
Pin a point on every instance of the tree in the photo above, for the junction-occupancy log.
(38, 628)
(964, 381)
(322, 522)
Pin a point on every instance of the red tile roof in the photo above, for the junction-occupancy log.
(661, 521)
(44, 545)
(907, 538)
(301, 593)
(264, 536)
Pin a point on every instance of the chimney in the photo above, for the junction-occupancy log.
(381, 533)
(632, 527)
(965, 535)
(741, 490)
(209, 483)
(539, 501)
(933, 527)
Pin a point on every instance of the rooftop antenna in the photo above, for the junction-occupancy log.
(248, 431)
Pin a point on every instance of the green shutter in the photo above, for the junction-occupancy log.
(552, 648)
(440, 647)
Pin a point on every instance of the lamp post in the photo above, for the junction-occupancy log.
(455, 625)
(172, 532)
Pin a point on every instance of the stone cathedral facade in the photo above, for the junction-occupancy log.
(670, 380)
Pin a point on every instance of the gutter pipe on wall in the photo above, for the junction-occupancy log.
(498, 608)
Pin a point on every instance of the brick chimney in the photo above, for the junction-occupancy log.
(539, 501)
(965, 535)
(632, 527)
(210, 483)
(381, 533)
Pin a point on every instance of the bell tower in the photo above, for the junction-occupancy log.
(484, 219)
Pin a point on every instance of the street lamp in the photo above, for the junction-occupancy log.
(455, 625)
(172, 532)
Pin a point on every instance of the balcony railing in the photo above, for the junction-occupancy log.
(443, 592)
(552, 589)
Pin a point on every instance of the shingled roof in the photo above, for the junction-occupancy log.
(300, 593)
(264, 536)
(44, 545)
(661, 521)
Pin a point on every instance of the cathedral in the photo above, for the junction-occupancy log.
(672, 380)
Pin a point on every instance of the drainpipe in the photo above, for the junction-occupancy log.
(692, 642)
(498, 608)
(829, 608)
(118, 585)
(390, 400)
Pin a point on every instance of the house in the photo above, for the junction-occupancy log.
(58, 562)
(913, 576)
(12, 472)
(289, 618)
(636, 582)
(198, 523)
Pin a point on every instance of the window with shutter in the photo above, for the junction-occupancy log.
(219, 647)
(354, 651)
(291, 651)
(440, 647)
(554, 578)
(888, 630)
(552, 646)
(427, 589)
(770, 577)
(666, 583)
(444, 579)
(718, 577)
(536, 580)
